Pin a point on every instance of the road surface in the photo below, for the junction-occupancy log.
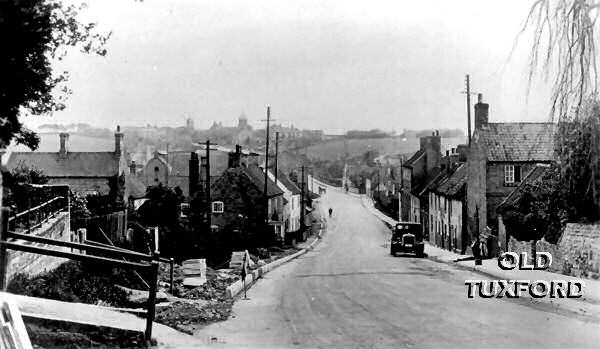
(350, 293)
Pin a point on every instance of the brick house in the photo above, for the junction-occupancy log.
(83, 172)
(500, 156)
(238, 201)
(418, 173)
(291, 200)
(513, 198)
(448, 211)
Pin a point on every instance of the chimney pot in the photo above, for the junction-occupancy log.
(479, 98)
(481, 113)
(64, 138)
(118, 141)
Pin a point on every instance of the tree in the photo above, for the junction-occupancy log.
(40, 32)
(563, 45)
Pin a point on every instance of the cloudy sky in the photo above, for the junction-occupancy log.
(332, 65)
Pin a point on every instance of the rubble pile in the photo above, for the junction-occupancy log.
(193, 307)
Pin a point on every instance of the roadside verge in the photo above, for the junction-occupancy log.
(235, 288)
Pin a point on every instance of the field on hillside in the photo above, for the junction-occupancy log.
(389, 145)
(50, 142)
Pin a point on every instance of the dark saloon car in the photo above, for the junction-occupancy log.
(407, 237)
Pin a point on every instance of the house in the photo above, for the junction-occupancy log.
(513, 198)
(448, 211)
(418, 173)
(500, 156)
(238, 202)
(84, 172)
(172, 169)
(291, 207)
(187, 169)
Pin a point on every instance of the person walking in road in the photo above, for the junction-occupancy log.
(330, 212)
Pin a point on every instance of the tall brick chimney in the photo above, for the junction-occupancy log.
(235, 158)
(118, 141)
(194, 173)
(432, 145)
(64, 138)
(481, 112)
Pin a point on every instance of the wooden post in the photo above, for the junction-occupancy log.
(152, 298)
(171, 274)
(4, 213)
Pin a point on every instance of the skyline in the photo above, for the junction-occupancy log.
(319, 65)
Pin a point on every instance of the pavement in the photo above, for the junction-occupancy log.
(348, 292)
(81, 313)
(489, 267)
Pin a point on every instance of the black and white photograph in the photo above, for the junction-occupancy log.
(299, 174)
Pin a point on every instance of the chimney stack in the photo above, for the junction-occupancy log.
(118, 141)
(194, 173)
(481, 112)
(64, 138)
(235, 158)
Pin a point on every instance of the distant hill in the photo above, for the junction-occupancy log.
(335, 149)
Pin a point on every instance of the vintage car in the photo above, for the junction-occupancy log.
(407, 237)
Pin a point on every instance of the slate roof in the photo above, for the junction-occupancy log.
(137, 188)
(75, 164)
(287, 182)
(453, 184)
(516, 194)
(413, 159)
(257, 177)
(517, 141)
(433, 179)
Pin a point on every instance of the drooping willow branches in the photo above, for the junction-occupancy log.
(564, 51)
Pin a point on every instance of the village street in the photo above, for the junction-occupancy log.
(350, 293)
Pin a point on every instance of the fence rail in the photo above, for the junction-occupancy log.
(34, 217)
(126, 259)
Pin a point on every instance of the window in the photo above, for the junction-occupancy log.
(512, 174)
(218, 207)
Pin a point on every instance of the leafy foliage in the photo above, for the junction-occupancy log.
(73, 282)
(40, 32)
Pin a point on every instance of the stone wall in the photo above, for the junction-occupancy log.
(576, 254)
(32, 264)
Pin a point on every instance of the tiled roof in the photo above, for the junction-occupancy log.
(517, 141)
(433, 179)
(453, 184)
(137, 188)
(287, 182)
(74, 164)
(411, 161)
(516, 194)
(257, 176)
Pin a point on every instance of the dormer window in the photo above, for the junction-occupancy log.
(512, 174)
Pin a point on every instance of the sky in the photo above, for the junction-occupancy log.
(331, 65)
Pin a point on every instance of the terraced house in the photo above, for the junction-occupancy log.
(500, 156)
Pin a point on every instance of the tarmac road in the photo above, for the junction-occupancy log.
(350, 293)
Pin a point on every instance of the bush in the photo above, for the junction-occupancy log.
(77, 282)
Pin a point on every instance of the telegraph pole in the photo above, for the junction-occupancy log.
(302, 218)
(468, 83)
(207, 183)
(266, 198)
(468, 93)
(276, 155)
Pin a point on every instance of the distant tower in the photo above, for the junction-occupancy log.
(189, 123)
(242, 121)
